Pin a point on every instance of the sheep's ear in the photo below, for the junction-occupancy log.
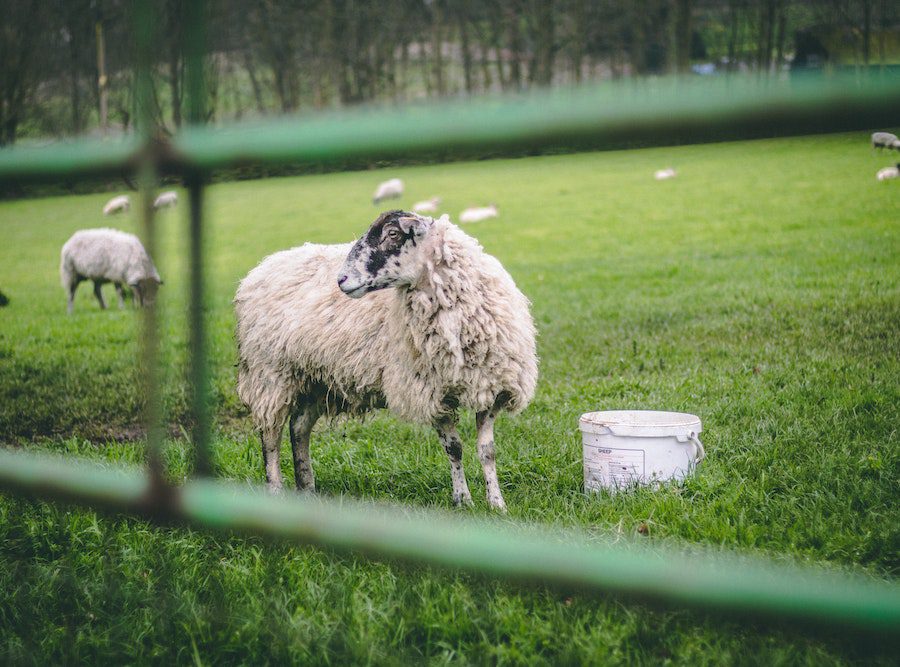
(418, 224)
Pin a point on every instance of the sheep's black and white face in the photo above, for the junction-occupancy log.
(385, 256)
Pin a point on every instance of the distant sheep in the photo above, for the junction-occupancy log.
(665, 174)
(456, 333)
(108, 255)
(479, 213)
(388, 190)
(888, 173)
(885, 140)
(165, 199)
(427, 206)
(118, 204)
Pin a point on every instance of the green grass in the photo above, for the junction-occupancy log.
(759, 290)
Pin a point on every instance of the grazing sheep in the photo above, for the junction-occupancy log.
(117, 205)
(478, 214)
(165, 199)
(388, 190)
(888, 173)
(885, 140)
(456, 333)
(108, 255)
(427, 206)
(665, 174)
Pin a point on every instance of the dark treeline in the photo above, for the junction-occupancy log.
(66, 66)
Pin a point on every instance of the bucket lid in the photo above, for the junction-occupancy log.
(641, 423)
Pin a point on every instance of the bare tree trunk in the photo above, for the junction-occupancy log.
(102, 82)
(462, 16)
(867, 29)
(682, 36)
(782, 29)
(515, 46)
(732, 34)
(579, 37)
(544, 31)
(437, 55)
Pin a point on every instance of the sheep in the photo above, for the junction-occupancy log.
(665, 174)
(456, 333)
(888, 173)
(885, 140)
(479, 213)
(117, 205)
(165, 200)
(388, 190)
(108, 255)
(427, 206)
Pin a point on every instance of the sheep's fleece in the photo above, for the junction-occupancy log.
(461, 335)
(107, 255)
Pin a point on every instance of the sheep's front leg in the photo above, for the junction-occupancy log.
(99, 295)
(121, 294)
(446, 430)
(301, 427)
(271, 448)
(484, 421)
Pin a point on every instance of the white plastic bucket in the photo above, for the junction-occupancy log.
(624, 448)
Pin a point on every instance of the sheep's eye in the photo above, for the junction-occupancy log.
(393, 234)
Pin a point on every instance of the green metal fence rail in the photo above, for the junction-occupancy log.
(607, 115)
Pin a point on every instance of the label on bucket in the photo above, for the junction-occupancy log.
(614, 467)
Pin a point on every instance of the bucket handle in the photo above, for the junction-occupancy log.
(692, 437)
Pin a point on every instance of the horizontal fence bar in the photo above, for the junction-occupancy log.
(863, 608)
(614, 114)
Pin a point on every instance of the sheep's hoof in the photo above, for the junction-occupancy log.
(463, 501)
(498, 505)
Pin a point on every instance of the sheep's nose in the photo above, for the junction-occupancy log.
(342, 280)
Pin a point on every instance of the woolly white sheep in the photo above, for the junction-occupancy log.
(478, 214)
(888, 173)
(427, 206)
(165, 199)
(117, 205)
(885, 140)
(664, 174)
(388, 190)
(108, 255)
(456, 333)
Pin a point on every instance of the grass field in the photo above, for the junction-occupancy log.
(760, 290)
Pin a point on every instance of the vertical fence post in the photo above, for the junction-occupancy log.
(144, 32)
(194, 48)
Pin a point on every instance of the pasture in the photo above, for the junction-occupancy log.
(760, 290)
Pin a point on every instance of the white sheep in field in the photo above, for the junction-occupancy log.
(318, 334)
(388, 190)
(664, 174)
(165, 199)
(885, 140)
(888, 173)
(108, 255)
(427, 206)
(479, 213)
(117, 205)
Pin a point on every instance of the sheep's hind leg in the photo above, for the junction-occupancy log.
(73, 285)
(301, 427)
(484, 421)
(99, 294)
(446, 430)
(271, 448)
